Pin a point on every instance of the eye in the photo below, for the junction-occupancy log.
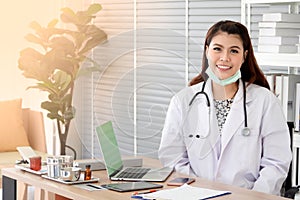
(234, 51)
(217, 49)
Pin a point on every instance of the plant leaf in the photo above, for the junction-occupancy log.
(62, 79)
(52, 23)
(30, 63)
(94, 8)
(35, 25)
(62, 43)
(68, 15)
(97, 36)
(34, 39)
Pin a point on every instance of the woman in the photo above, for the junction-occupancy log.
(228, 126)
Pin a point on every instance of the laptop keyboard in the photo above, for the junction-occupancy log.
(133, 172)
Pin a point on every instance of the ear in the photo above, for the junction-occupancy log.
(245, 54)
(206, 50)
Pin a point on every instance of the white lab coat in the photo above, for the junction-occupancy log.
(259, 161)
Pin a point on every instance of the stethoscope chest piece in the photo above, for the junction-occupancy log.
(246, 131)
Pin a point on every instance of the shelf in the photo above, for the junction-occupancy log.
(288, 60)
(270, 59)
(246, 8)
(270, 1)
(278, 59)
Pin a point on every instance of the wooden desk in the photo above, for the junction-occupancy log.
(48, 188)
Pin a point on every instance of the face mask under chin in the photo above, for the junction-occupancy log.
(223, 82)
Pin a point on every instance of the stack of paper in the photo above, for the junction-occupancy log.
(185, 192)
(297, 109)
(298, 45)
(278, 33)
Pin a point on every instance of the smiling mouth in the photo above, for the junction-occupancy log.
(223, 67)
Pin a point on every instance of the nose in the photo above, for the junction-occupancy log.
(224, 57)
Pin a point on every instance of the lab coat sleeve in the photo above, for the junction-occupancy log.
(276, 155)
(172, 151)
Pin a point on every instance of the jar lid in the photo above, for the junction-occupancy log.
(54, 160)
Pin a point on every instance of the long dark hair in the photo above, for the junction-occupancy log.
(250, 70)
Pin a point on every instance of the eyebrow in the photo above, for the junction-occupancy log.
(230, 47)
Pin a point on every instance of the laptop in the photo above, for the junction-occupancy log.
(113, 161)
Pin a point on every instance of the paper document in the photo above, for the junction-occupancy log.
(185, 192)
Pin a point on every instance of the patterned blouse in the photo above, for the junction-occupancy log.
(222, 110)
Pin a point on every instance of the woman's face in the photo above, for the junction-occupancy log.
(225, 54)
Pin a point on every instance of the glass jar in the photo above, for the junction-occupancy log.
(88, 172)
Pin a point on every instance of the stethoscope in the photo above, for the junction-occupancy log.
(245, 131)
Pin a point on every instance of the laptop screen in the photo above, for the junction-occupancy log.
(109, 147)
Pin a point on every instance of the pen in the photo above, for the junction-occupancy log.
(150, 191)
(136, 195)
(140, 197)
(95, 186)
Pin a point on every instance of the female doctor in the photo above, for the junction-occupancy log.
(228, 126)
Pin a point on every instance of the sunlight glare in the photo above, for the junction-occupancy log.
(15, 18)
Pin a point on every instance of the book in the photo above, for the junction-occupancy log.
(286, 87)
(293, 80)
(265, 48)
(297, 108)
(277, 40)
(279, 32)
(283, 17)
(292, 25)
(270, 79)
(285, 94)
(278, 87)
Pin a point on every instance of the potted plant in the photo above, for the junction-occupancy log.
(57, 63)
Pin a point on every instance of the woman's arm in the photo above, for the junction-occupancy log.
(172, 151)
(276, 154)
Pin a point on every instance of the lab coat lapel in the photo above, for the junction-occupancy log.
(214, 131)
(235, 118)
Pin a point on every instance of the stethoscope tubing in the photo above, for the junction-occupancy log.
(201, 92)
(246, 130)
(244, 105)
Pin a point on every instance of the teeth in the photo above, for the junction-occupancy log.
(223, 67)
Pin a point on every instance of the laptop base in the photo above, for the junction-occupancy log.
(97, 164)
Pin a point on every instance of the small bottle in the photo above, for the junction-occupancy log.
(88, 172)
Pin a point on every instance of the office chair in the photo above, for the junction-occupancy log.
(288, 190)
